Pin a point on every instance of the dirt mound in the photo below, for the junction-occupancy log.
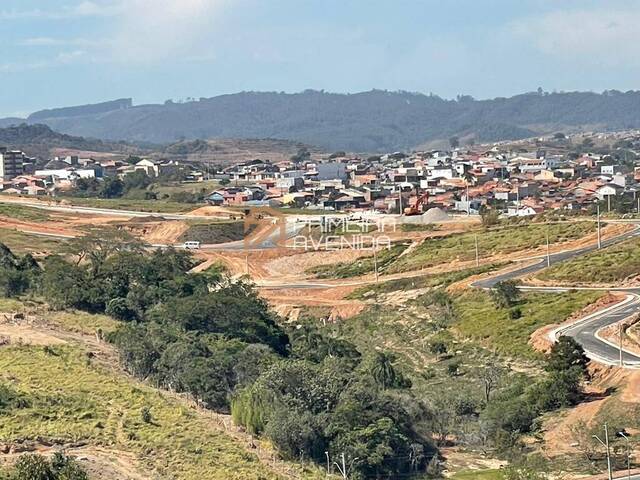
(298, 264)
(166, 232)
(434, 215)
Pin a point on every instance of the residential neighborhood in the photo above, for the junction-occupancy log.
(519, 179)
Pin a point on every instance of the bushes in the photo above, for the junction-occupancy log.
(37, 467)
(306, 409)
(17, 274)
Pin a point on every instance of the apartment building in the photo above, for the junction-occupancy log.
(11, 163)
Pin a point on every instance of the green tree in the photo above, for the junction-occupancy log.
(111, 187)
(567, 354)
(382, 369)
(505, 294)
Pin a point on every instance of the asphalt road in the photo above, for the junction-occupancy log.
(586, 331)
(553, 259)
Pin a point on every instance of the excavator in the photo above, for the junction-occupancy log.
(415, 209)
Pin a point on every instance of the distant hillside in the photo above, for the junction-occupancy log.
(232, 151)
(368, 121)
(39, 141)
(93, 109)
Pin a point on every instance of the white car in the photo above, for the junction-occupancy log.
(192, 245)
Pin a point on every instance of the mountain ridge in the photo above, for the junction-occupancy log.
(373, 121)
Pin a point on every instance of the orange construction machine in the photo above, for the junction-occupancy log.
(416, 208)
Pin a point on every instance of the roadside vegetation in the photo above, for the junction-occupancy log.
(458, 247)
(507, 329)
(609, 265)
(491, 242)
(360, 266)
(20, 212)
(422, 281)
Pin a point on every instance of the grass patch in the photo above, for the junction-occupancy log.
(479, 475)
(212, 233)
(479, 319)
(361, 266)
(10, 305)
(20, 242)
(611, 264)
(461, 247)
(151, 206)
(20, 212)
(83, 322)
(423, 281)
(72, 400)
(418, 227)
(205, 186)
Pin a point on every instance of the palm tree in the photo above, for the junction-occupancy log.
(382, 369)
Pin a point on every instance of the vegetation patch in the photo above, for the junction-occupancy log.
(461, 247)
(83, 322)
(422, 281)
(20, 212)
(611, 264)
(69, 399)
(360, 266)
(507, 330)
(213, 233)
(21, 242)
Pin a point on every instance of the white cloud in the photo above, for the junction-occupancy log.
(82, 9)
(52, 42)
(605, 37)
(63, 58)
(152, 31)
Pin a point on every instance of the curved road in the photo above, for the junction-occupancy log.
(585, 331)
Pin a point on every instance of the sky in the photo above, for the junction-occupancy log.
(57, 53)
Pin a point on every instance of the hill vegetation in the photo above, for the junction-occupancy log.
(368, 121)
(38, 140)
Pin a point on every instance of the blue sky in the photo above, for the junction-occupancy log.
(68, 52)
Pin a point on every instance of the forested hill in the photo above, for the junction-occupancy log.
(368, 121)
(39, 141)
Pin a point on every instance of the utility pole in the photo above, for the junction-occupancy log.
(375, 263)
(605, 444)
(620, 334)
(548, 253)
(400, 199)
(623, 435)
(598, 222)
(477, 253)
(468, 202)
(608, 203)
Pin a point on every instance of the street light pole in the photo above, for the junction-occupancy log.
(605, 444)
(598, 221)
(622, 434)
(548, 253)
(477, 252)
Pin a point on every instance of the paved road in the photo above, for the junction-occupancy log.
(586, 331)
(553, 259)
